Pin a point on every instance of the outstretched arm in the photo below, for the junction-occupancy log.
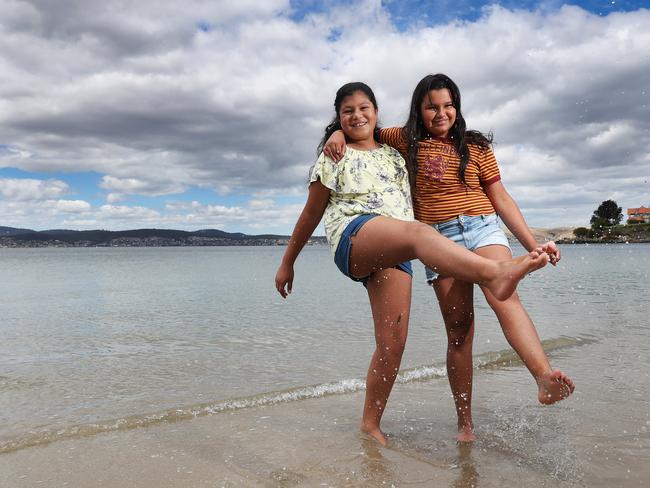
(334, 147)
(509, 212)
(311, 215)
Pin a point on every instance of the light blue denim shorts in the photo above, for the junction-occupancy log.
(471, 232)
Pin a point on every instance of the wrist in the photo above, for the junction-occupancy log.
(530, 245)
(287, 262)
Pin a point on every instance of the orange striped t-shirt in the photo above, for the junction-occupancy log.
(440, 195)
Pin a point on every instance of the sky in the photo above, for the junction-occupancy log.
(118, 114)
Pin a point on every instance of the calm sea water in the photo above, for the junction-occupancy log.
(105, 339)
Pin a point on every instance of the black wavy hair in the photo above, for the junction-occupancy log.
(415, 130)
(345, 91)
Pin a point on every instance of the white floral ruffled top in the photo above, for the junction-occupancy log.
(363, 182)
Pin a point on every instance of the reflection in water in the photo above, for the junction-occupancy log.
(375, 468)
(468, 476)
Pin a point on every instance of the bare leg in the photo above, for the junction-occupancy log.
(520, 332)
(456, 300)
(384, 242)
(389, 291)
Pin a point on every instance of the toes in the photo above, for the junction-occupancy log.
(567, 383)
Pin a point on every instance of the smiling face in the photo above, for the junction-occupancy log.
(438, 112)
(358, 117)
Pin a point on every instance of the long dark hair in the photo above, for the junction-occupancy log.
(415, 130)
(345, 91)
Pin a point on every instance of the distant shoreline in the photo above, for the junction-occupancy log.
(60, 238)
(601, 241)
(621, 234)
(26, 238)
(8, 243)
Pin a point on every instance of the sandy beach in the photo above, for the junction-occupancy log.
(307, 443)
(315, 443)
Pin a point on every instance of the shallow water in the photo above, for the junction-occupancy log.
(107, 339)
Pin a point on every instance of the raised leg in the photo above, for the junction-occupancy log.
(521, 334)
(384, 242)
(389, 291)
(456, 300)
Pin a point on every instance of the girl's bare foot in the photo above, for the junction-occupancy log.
(466, 434)
(509, 273)
(554, 386)
(375, 433)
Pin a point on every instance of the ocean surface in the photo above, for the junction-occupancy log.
(105, 341)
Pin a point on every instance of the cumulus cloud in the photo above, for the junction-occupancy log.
(255, 217)
(15, 189)
(126, 212)
(72, 206)
(119, 188)
(37, 203)
(233, 97)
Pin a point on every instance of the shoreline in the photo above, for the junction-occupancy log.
(12, 243)
(621, 234)
(315, 442)
(24, 238)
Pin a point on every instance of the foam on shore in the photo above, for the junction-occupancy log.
(492, 360)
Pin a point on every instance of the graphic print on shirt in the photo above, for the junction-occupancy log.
(435, 167)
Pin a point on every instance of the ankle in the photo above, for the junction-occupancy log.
(367, 425)
(490, 271)
(543, 375)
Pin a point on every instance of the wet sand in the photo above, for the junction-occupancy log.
(315, 443)
(309, 443)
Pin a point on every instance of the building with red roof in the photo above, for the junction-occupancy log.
(638, 215)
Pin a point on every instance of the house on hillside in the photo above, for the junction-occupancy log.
(638, 215)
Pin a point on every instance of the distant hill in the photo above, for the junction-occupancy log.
(12, 237)
(12, 231)
(15, 237)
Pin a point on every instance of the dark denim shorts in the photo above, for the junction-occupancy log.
(342, 255)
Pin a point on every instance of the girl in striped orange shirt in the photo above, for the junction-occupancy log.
(457, 189)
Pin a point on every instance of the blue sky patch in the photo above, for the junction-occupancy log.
(408, 14)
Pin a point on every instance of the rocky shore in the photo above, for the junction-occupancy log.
(632, 234)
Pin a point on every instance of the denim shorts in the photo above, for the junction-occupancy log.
(471, 232)
(342, 255)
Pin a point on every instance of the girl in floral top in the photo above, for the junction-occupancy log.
(458, 191)
(370, 227)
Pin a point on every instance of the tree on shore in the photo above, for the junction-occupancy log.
(607, 214)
